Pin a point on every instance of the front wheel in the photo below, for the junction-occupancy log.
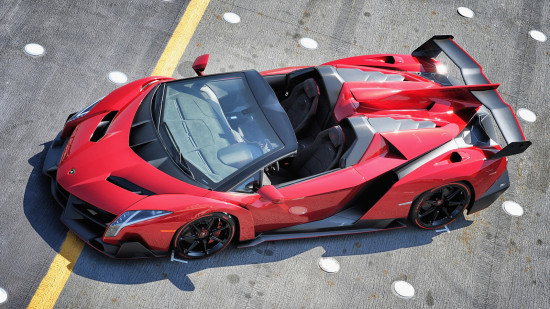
(205, 236)
(440, 206)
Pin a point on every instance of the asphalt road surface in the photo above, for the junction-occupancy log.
(487, 260)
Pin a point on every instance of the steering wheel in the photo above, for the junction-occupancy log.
(273, 168)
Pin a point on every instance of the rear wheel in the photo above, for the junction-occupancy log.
(440, 206)
(205, 236)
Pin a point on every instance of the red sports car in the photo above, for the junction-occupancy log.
(354, 145)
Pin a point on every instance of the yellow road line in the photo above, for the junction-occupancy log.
(51, 286)
(62, 266)
(182, 35)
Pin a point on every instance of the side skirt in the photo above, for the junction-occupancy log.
(362, 226)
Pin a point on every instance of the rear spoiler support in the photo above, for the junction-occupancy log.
(473, 75)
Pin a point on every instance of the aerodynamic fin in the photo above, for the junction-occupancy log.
(472, 74)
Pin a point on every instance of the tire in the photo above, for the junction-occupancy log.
(440, 206)
(204, 236)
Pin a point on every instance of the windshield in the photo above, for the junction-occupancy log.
(214, 126)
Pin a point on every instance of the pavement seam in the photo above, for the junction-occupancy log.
(303, 27)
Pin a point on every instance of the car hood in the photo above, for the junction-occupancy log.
(98, 165)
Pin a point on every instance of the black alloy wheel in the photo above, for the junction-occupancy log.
(205, 236)
(440, 206)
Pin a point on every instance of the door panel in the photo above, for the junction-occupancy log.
(306, 201)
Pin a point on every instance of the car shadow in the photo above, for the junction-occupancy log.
(39, 206)
(43, 214)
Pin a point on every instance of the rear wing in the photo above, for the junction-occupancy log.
(473, 75)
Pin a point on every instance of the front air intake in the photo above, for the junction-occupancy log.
(103, 126)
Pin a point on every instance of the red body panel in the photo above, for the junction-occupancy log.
(474, 169)
(158, 233)
(316, 198)
(414, 143)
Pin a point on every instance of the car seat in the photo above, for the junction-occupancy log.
(301, 104)
(322, 155)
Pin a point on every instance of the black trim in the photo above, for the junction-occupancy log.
(70, 116)
(372, 192)
(128, 250)
(87, 221)
(51, 162)
(472, 74)
(492, 194)
(89, 224)
(50, 166)
(363, 226)
(511, 149)
(506, 122)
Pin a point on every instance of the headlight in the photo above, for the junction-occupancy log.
(133, 217)
(85, 111)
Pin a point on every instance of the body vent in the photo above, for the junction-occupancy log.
(372, 192)
(357, 75)
(455, 157)
(103, 126)
(387, 124)
(142, 134)
(97, 216)
(128, 185)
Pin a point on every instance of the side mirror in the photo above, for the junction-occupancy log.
(271, 194)
(200, 64)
